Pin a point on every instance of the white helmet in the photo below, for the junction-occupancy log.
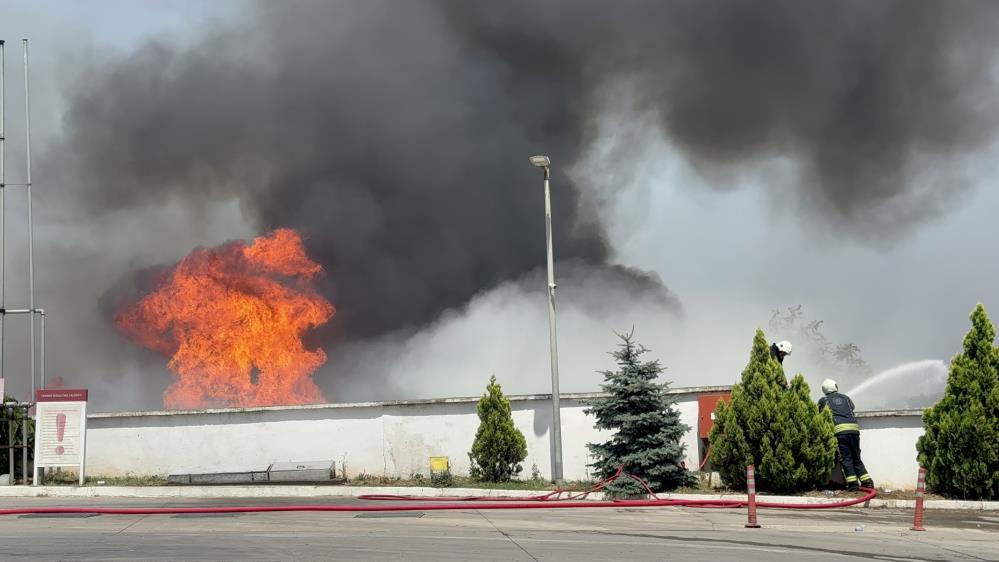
(784, 347)
(829, 386)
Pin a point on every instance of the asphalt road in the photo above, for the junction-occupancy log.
(574, 535)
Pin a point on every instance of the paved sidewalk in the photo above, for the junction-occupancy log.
(626, 535)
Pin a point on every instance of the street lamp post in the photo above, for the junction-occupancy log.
(544, 163)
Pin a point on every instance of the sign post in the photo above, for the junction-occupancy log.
(60, 430)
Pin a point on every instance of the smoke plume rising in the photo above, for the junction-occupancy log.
(394, 135)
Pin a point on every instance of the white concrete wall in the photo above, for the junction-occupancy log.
(397, 438)
(888, 446)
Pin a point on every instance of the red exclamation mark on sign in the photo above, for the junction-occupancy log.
(60, 431)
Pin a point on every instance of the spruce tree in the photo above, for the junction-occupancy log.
(646, 425)
(499, 446)
(780, 431)
(960, 449)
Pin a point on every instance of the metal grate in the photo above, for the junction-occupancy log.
(14, 416)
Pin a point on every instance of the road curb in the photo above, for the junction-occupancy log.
(314, 491)
(254, 491)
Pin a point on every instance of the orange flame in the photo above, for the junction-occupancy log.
(231, 319)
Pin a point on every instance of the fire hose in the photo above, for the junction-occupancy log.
(707, 455)
(550, 500)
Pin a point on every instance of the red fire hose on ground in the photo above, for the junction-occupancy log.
(551, 500)
(707, 455)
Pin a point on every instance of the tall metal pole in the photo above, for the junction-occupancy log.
(41, 351)
(553, 342)
(31, 247)
(3, 192)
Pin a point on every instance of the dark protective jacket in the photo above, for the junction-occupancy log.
(776, 354)
(777, 357)
(842, 411)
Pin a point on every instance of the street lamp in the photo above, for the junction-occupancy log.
(544, 163)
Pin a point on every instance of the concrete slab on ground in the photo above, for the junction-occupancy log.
(303, 471)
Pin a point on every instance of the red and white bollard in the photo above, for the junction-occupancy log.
(917, 522)
(751, 489)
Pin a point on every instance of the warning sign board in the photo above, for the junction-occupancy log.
(60, 429)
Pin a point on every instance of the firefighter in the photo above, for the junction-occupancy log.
(847, 435)
(780, 350)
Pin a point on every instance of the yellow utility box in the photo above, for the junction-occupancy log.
(439, 464)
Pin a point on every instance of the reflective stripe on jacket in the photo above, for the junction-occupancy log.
(842, 411)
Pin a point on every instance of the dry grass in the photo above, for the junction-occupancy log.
(465, 482)
(71, 478)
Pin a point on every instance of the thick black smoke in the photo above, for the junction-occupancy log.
(395, 135)
(868, 99)
(401, 156)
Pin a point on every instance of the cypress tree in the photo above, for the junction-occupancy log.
(646, 425)
(499, 446)
(960, 449)
(780, 431)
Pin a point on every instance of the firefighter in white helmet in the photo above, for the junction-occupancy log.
(847, 432)
(779, 351)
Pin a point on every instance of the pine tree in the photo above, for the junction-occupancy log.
(960, 449)
(646, 425)
(499, 446)
(780, 431)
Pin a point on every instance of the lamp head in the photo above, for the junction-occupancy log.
(541, 161)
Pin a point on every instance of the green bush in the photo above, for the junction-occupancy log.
(646, 425)
(960, 449)
(499, 446)
(442, 479)
(777, 429)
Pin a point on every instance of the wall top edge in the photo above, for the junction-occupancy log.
(889, 413)
(574, 396)
(430, 401)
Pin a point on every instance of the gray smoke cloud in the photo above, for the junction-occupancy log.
(504, 331)
(394, 135)
(863, 98)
